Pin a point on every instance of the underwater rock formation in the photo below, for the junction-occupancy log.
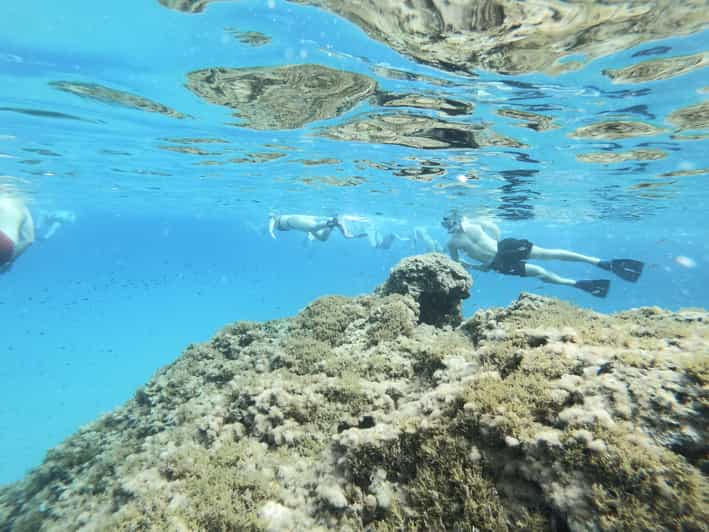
(436, 283)
(356, 415)
(509, 36)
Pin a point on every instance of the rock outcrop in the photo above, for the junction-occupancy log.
(357, 414)
(436, 283)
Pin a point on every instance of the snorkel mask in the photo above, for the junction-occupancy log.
(451, 221)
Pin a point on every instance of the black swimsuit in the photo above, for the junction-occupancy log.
(512, 254)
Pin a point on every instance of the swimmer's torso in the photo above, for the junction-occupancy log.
(12, 215)
(300, 222)
(475, 242)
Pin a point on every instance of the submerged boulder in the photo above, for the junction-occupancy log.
(437, 283)
(356, 414)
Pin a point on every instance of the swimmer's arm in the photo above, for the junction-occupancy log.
(455, 256)
(26, 235)
(272, 226)
(453, 250)
(490, 228)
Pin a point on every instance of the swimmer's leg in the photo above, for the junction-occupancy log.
(596, 287)
(387, 241)
(337, 221)
(561, 254)
(321, 234)
(532, 270)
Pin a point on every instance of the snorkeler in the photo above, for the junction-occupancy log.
(422, 237)
(16, 230)
(50, 222)
(480, 240)
(383, 241)
(317, 227)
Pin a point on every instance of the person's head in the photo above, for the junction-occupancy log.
(451, 222)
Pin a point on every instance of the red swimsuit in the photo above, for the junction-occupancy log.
(7, 249)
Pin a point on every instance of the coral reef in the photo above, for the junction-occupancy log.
(435, 282)
(358, 413)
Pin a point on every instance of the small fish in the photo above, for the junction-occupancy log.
(685, 262)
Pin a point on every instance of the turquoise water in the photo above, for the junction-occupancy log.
(168, 246)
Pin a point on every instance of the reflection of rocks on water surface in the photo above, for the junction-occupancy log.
(444, 105)
(619, 129)
(285, 97)
(528, 119)
(292, 96)
(507, 35)
(417, 131)
(617, 157)
(691, 117)
(252, 38)
(100, 93)
(188, 6)
(658, 69)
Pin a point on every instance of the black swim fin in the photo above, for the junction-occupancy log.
(598, 287)
(627, 269)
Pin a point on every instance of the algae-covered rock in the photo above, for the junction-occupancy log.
(356, 414)
(436, 282)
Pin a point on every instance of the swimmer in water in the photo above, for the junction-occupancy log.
(422, 238)
(16, 230)
(53, 221)
(480, 240)
(317, 227)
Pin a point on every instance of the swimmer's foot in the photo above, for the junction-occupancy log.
(598, 287)
(627, 269)
(337, 221)
(347, 234)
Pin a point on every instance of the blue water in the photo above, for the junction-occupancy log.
(164, 252)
